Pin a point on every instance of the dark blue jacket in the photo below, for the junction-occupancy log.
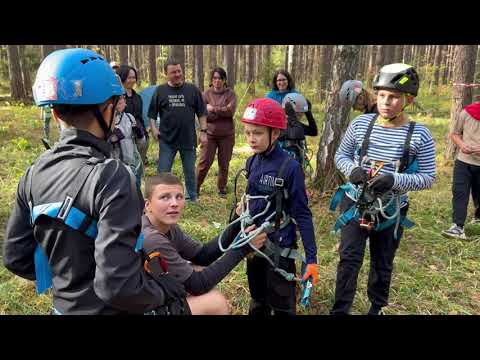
(263, 171)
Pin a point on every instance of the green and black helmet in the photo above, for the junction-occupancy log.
(399, 77)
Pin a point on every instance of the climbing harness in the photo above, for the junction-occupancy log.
(369, 206)
(272, 224)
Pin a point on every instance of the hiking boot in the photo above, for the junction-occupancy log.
(455, 231)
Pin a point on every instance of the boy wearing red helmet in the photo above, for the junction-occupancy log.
(271, 171)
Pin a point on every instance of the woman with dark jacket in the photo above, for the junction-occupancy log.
(128, 76)
(221, 103)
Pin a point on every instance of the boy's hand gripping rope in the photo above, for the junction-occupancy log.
(267, 226)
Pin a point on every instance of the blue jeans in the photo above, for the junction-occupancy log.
(166, 157)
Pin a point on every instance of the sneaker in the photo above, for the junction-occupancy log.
(475, 221)
(455, 231)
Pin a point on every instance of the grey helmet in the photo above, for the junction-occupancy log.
(400, 77)
(349, 92)
(298, 102)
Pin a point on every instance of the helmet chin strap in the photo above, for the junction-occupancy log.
(107, 130)
(270, 145)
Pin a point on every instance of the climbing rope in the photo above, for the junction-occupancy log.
(267, 226)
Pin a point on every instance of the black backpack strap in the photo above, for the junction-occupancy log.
(366, 139)
(406, 148)
(77, 185)
(280, 195)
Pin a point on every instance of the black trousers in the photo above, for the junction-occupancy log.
(269, 290)
(466, 179)
(383, 246)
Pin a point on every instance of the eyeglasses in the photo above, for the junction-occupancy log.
(281, 80)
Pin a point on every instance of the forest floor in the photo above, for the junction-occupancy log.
(432, 275)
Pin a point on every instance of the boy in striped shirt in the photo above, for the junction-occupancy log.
(406, 152)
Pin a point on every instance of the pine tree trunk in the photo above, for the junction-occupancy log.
(198, 60)
(345, 66)
(213, 56)
(123, 52)
(25, 65)
(238, 63)
(244, 63)
(398, 58)
(258, 62)
(326, 67)
(177, 52)
(287, 56)
(251, 69)
(17, 90)
(46, 49)
(300, 66)
(389, 54)
(371, 66)
(379, 58)
(138, 62)
(436, 68)
(463, 73)
(291, 59)
(268, 65)
(108, 53)
(230, 64)
(310, 58)
(152, 65)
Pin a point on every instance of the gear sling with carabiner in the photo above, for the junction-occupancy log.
(272, 248)
(364, 200)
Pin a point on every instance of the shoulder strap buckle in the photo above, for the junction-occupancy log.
(65, 209)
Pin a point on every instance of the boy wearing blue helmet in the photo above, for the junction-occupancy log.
(65, 230)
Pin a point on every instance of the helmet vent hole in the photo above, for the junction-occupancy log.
(84, 61)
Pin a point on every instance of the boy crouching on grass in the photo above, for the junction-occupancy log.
(200, 267)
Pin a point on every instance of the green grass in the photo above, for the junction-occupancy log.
(432, 275)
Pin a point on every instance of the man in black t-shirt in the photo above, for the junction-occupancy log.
(177, 103)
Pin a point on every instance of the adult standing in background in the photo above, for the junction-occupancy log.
(177, 102)
(129, 78)
(221, 104)
(282, 84)
(465, 133)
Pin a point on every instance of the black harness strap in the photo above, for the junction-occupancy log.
(75, 188)
(366, 140)
(406, 148)
(280, 195)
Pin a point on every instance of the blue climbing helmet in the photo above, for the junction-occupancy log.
(75, 77)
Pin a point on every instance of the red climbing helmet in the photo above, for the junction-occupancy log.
(265, 112)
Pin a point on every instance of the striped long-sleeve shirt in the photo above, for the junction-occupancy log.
(386, 144)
